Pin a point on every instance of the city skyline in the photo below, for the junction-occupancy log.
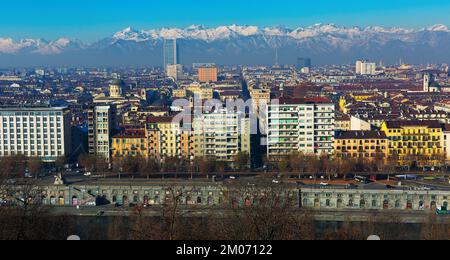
(225, 121)
(89, 21)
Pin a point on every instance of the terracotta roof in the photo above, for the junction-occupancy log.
(292, 101)
(131, 133)
(361, 135)
(400, 124)
(446, 127)
(159, 119)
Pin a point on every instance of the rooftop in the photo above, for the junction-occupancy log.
(413, 123)
(361, 135)
(131, 133)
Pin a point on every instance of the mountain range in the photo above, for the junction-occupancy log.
(231, 45)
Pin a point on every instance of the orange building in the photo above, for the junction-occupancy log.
(207, 74)
(167, 139)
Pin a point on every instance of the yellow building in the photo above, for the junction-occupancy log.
(343, 123)
(260, 98)
(362, 96)
(130, 143)
(343, 105)
(167, 139)
(204, 92)
(414, 143)
(179, 93)
(366, 145)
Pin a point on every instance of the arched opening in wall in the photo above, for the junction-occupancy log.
(135, 199)
(421, 205)
(362, 204)
(409, 205)
(125, 200)
(339, 204)
(199, 200)
(61, 201)
(397, 204)
(316, 203)
(210, 201)
(44, 200)
(146, 200)
(351, 203)
(433, 205)
(189, 200)
(328, 203)
(75, 201)
(386, 204)
(114, 199)
(52, 200)
(374, 204)
(305, 203)
(445, 206)
(248, 202)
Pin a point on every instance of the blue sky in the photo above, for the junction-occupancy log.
(90, 20)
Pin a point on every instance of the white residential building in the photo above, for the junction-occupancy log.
(366, 68)
(221, 135)
(101, 125)
(175, 71)
(300, 125)
(41, 132)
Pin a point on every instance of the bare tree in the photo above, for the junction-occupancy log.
(35, 166)
(433, 229)
(262, 212)
(148, 167)
(242, 161)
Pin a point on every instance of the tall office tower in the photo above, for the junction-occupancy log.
(221, 135)
(175, 71)
(365, 68)
(102, 124)
(42, 132)
(207, 74)
(170, 53)
(300, 125)
(304, 63)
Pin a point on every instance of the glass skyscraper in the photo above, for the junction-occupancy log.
(170, 53)
(303, 63)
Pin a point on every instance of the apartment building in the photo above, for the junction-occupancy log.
(102, 124)
(300, 125)
(167, 138)
(207, 74)
(130, 143)
(221, 135)
(41, 132)
(366, 145)
(414, 142)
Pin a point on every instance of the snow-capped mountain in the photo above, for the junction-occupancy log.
(37, 46)
(234, 44)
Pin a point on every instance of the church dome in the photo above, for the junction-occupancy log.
(117, 82)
